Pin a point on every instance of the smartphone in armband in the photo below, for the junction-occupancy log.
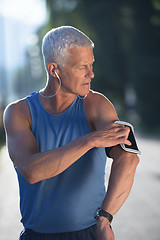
(133, 148)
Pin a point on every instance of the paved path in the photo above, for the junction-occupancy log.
(9, 200)
(138, 219)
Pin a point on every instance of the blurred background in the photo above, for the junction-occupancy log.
(126, 34)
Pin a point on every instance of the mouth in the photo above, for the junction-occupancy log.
(86, 84)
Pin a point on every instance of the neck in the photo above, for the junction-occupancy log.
(58, 103)
(51, 90)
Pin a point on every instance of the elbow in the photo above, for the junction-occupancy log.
(133, 161)
(29, 178)
(138, 160)
(129, 162)
(29, 175)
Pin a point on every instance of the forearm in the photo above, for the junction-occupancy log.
(44, 165)
(120, 182)
(36, 166)
(39, 166)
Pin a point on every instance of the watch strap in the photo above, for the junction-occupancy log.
(103, 213)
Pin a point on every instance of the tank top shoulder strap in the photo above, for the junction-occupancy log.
(34, 107)
(37, 110)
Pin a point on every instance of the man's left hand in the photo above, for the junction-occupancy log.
(104, 231)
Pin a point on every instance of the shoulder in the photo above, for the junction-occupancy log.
(99, 98)
(99, 110)
(16, 113)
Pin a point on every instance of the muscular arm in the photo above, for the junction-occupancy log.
(36, 166)
(122, 171)
(120, 184)
(24, 152)
(121, 179)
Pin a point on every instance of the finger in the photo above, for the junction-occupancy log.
(123, 140)
(123, 132)
(127, 142)
(121, 126)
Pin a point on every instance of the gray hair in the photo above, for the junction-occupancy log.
(56, 42)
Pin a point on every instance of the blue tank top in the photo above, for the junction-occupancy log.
(68, 201)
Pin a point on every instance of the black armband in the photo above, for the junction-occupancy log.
(133, 148)
(108, 149)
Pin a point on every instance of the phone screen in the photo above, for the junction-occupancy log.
(132, 139)
(133, 147)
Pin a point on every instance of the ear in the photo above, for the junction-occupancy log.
(51, 67)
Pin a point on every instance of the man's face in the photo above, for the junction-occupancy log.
(77, 72)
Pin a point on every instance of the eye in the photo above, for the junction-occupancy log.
(82, 68)
(86, 67)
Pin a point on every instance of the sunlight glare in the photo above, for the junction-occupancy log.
(28, 12)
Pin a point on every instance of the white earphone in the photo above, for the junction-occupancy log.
(56, 74)
(57, 89)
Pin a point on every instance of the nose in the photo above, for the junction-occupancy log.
(90, 73)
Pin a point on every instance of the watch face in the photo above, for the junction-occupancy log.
(97, 214)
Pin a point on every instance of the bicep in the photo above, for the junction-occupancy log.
(21, 142)
(102, 112)
(121, 157)
(21, 146)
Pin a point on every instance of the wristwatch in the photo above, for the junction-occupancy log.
(101, 212)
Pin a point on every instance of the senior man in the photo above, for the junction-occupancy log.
(57, 138)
